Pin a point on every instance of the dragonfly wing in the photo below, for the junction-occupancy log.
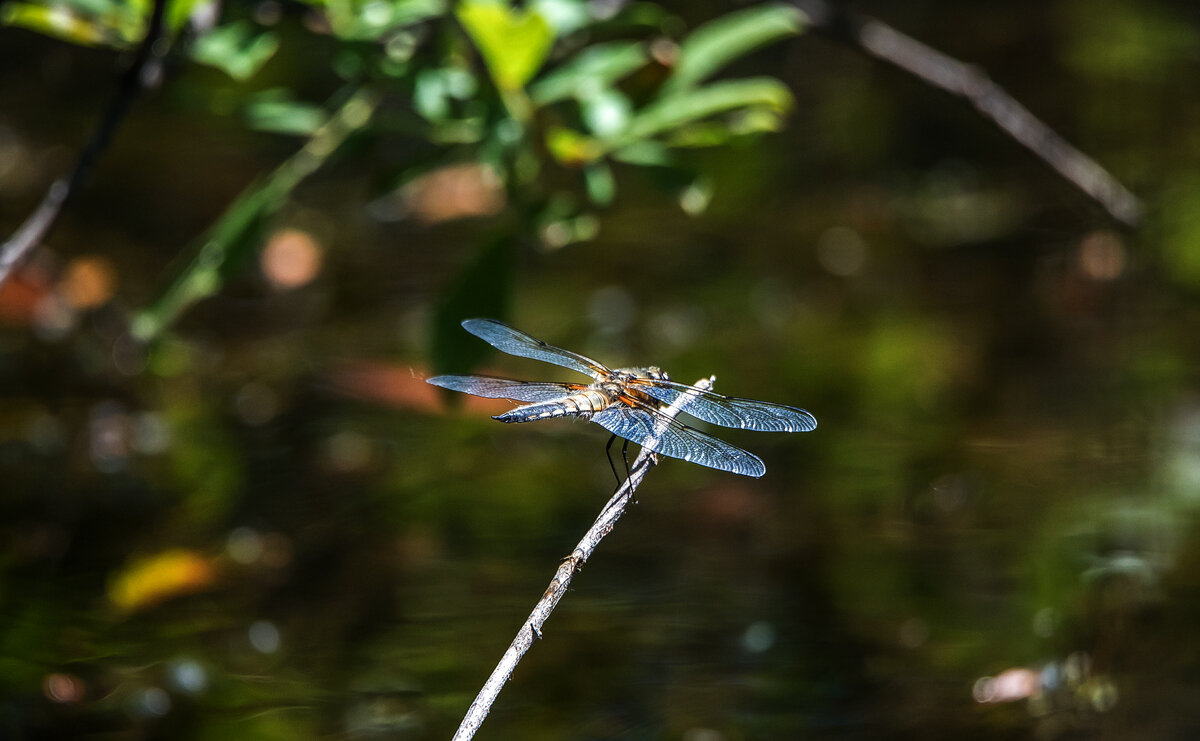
(729, 411)
(515, 342)
(503, 388)
(648, 428)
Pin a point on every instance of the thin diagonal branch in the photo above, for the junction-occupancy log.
(973, 85)
(532, 628)
(144, 71)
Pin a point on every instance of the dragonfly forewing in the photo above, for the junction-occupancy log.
(515, 342)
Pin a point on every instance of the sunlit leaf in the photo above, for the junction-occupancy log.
(274, 111)
(564, 16)
(149, 581)
(513, 43)
(62, 23)
(595, 68)
(676, 110)
(115, 23)
(435, 89)
(372, 19)
(180, 12)
(645, 153)
(704, 134)
(719, 42)
(239, 49)
(571, 147)
(748, 121)
(607, 113)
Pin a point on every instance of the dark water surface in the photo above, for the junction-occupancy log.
(269, 527)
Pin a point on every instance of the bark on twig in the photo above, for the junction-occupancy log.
(144, 71)
(532, 628)
(974, 86)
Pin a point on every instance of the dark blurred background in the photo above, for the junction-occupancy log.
(263, 524)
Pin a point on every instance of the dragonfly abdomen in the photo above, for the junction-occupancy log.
(584, 404)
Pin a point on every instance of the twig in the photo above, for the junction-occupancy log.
(202, 270)
(143, 72)
(973, 85)
(532, 628)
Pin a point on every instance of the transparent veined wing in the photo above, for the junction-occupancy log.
(503, 388)
(515, 342)
(728, 411)
(645, 426)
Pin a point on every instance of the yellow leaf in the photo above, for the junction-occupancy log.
(514, 44)
(153, 579)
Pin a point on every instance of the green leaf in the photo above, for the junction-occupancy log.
(601, 186)
(275, 111)
(238, 49)
(745, 122)
(179, 12)
(513, 43)
(673, 111)
(61, 23)
(595, 68)
(719, 42)
(115, 23)
(607, 113)
(703, 134)
(435, 89)
(644, 153)
(571, 147)
(368, 20)
(564, 16)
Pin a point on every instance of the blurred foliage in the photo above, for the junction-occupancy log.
(601, 99)
(1128, 40)
(231, 508)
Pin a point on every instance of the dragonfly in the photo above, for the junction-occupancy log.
(628, 402)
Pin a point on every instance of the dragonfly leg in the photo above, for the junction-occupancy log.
(608, 453)
(625, 457)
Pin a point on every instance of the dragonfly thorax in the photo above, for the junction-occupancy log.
(622, 375)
